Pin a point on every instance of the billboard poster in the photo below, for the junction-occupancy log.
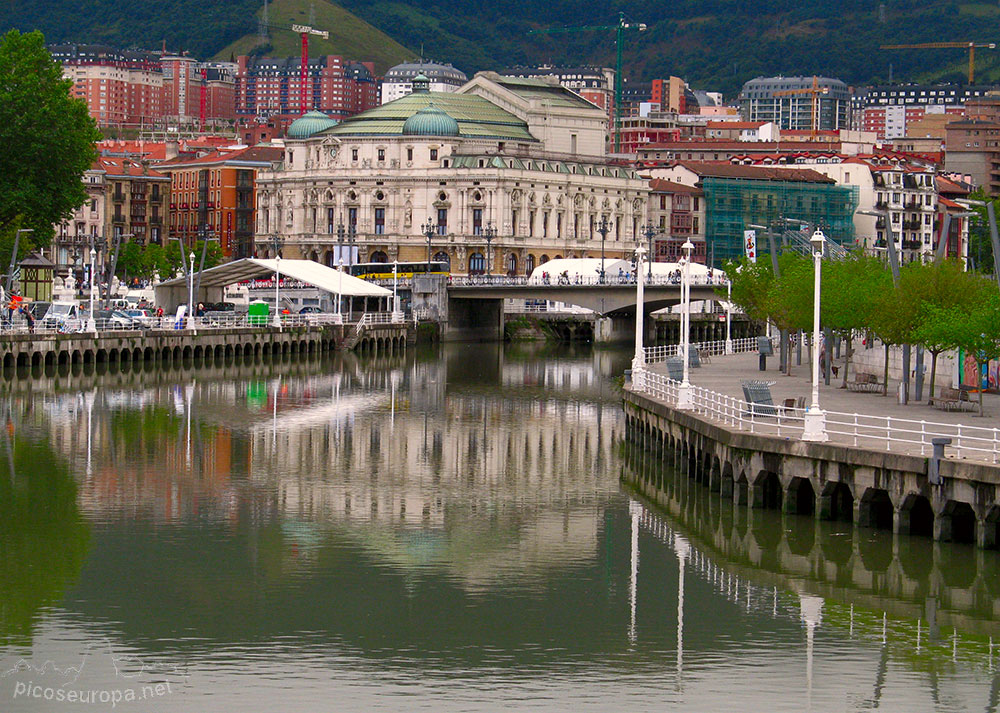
(750, 244)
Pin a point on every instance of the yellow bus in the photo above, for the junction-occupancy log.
(383, 270)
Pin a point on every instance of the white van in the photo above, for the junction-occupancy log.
(64, 316)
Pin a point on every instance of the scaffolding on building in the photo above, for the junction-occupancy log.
(733, 205)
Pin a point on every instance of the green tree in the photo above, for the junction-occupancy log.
(130, 261)
(847, 294)
(980, 242)
(47, 137)
(944, 285)
(213, 254)
(790, 299)
(976, 331)
(751, 284)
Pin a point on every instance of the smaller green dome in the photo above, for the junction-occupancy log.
(308, 124)
(430, 121)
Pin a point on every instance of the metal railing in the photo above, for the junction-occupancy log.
(655, 355)
(206, 322)
(856, 429)
(370, 319)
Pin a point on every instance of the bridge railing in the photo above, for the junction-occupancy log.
(206, 322)
(579, 280)
(890, 433)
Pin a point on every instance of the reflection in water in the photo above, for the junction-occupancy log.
(448, 530)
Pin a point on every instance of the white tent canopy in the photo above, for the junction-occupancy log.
(213, 281)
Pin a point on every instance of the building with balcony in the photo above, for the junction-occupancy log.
(678, 211)
(213, 196)
(522, 156)
(135, 199)
(270, 86)
(761, 100)
(84, 228)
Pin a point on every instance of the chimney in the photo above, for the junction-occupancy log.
(172, 149)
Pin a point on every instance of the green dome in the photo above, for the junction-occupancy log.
(430, 121)
(309, 124)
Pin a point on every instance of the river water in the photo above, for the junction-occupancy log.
(451, 530)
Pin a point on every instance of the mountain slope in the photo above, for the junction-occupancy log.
(350, 36)
(715, 44)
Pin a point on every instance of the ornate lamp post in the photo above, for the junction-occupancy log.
(684, 391)
(276, 243)
(397, 315)
(91, 322)
(191, 308)
(639, 360)
(489, 233)
(428, 231)
(651, 231)
(603, 228)
(339, 317)
(814, 426)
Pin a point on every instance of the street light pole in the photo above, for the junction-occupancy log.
(729, 315)
(91, 322)
(489, 232)
(191, 310)
(814, 423)
(276, 247)
(603, 229)
(339, 317)
(13, 258)
(428, 230)
(397, 315)
(639, 360)
(684, 390)
(651, 231)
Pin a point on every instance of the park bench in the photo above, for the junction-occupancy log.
(758, 397)
(704, 354)
(953, 400)
(694, 357)
(865, 382)
(675, 368)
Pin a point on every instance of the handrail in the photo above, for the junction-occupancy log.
(857, 429)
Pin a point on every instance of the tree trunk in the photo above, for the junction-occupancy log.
(885, 376)
(847, 359)
(930, 394)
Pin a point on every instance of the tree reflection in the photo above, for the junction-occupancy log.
(43, 538)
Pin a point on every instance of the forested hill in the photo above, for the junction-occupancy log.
(715, 44)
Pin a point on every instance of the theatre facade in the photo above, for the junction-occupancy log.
(502, 175)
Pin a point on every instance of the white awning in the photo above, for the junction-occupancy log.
(307, 271)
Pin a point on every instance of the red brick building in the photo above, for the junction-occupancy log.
(270, 86)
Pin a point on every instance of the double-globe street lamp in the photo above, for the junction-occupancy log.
(814, 423)
(651, 231)
(192, 313)
(276, 243)
(639, 359)
(489, 233)
(684, 390)
(603, 228)
(91, 322)
(428, 229)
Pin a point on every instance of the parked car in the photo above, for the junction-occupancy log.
(64, 316)
(142, 316)
(310, 309)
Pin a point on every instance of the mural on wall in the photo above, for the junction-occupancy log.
(987, 378)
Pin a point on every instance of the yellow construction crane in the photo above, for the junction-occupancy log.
(815, 90)
(971, 46)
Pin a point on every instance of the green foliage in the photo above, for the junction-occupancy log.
(47, 138)
(975, 330)
(714, 44)
(790, 300)
(751, 285)
(849, 292)
(980, 242)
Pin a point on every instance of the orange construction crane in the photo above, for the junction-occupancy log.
(304, 31)
(815, 90)
(971, 46)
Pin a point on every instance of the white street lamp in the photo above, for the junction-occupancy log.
(91, 322)
(729, 315)
(639, 360)
(397, 315)
(684, 391)
(191, 309)
(339, 317)
(814, 426)
(277, 290)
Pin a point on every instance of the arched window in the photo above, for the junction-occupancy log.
(543, 259)
(378, 256)
(529, 265)
(512, 264)
(442, 256)
(477, 264)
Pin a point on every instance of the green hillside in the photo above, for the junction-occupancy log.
(350, 36)
(714, 44)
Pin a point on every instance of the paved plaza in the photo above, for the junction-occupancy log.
(724, 375)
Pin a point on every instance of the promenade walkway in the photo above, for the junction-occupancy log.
(867, 420)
